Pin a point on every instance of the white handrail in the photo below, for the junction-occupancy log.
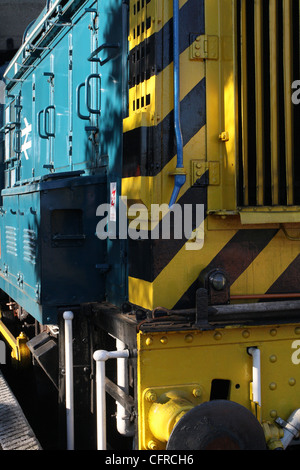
(256, 375)
(101, 357)
(68, 317)
(124, 425)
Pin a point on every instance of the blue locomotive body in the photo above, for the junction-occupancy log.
(64, 112)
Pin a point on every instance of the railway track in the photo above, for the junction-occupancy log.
(15, 431)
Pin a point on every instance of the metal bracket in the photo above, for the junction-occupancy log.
(20, 352)
(199, 167)
(204, 47)
(201, 319)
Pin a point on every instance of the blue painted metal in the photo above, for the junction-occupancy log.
(179, 178)
(49, 252)
(66, 151)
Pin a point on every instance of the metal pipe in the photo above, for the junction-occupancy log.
(256, 375)
(265, 296)
(68, 317)
(180, 176)
(123, 417)
(291, 428)
(101, 357)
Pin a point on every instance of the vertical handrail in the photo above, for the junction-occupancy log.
(256, 375)
(101, 357)
(68, 317)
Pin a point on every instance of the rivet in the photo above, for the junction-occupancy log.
(273, 332)
(151, 395)
(273, 358)
(217, 335)
(188, 338)
(163, 340)
(149, 340)
(152, 445)
(297, 330)
(272, 386)
(273, 414)
(292, 381)
(197, 392)
(246, 334)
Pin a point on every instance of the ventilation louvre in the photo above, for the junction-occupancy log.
(268, 63)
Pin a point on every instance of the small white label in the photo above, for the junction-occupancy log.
(113, 202)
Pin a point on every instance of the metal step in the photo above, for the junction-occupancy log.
(15, 431)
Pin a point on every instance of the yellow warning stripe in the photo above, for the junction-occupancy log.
(267, 267)
(160, 88)
(160, 11)
(171, 284)
(158, 189)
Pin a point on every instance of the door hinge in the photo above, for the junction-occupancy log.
(199, 168)
(204, 47)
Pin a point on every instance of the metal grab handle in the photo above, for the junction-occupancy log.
(47, 112)
(42, 136)
(17, 141)
(88, 94)
(93, 55)
(81, 116)
(87, 86)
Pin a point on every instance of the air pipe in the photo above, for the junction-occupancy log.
(179, 173)
(101, 357)
(68, 317)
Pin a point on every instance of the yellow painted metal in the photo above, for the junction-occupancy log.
(244, 98)
(221, 105)
(7, 335)
(183, 362)
(256, 279)
(213, 148)
(274, 130)
(288, 78)
(199, 167)
(168, 287)
(166, 411)
(270, 215)
(158, 189)
(267, 267)
(20, 352)
(273, 435)
(259, 102)
(205, 47)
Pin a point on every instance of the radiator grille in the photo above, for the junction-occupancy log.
(269, 127)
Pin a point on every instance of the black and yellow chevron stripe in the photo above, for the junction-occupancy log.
(258, 259)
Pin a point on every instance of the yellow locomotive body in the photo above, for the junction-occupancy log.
(239, 158)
